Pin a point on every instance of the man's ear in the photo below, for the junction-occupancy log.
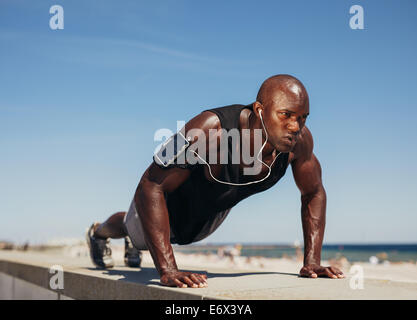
(257, 106)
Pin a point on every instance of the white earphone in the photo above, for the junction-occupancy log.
(257, 157)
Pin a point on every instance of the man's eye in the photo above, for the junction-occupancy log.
(286, 114)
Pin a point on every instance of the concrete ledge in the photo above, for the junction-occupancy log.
(84, 283)
(30, 271)
(12, 288)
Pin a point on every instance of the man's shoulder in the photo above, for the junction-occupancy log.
(210, 118)
(304, 146)
(231, 106)
(205, 121)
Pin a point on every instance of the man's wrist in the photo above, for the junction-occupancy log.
(314, 261)
(312, 256)
(165, 271)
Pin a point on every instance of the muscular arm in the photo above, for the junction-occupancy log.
(307, 175)
(153, 212)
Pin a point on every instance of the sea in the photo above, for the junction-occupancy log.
(353, 252)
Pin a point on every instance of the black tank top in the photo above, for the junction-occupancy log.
(199, 206)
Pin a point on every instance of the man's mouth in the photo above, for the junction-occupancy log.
(289, 139)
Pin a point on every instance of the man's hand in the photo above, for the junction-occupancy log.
(184, 279)
(315, 270)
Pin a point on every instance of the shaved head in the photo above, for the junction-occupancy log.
(281, 84)
(282, 108)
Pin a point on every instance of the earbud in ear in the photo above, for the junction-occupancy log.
(260, 112)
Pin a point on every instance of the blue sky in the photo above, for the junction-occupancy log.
(79, 108)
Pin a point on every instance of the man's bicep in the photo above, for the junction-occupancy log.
(166, 179)
(307, 174)
(175, 161)
(171, 165)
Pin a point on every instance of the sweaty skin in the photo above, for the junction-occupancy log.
(284, 104)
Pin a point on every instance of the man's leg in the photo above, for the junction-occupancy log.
(100, 252)
(112, 228)
(98, 238)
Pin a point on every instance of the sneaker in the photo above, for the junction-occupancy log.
(100, 251)
(133, 257)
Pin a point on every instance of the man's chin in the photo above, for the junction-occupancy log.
(284, 148)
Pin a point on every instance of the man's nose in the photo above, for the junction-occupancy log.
(294, 127)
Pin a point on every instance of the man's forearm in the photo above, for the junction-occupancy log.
(151, 205)
(313, 215)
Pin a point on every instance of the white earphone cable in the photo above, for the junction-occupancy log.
(251, 182)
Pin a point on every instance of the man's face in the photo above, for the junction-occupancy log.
(284, 116)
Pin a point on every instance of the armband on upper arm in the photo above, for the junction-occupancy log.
(172, 152)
